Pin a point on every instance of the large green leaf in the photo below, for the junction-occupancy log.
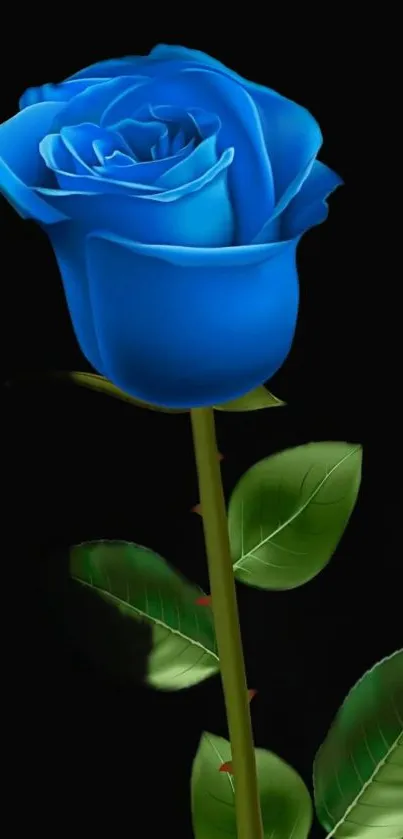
(142, 586)
(288, 512)
(358, 771)
(284, 799)
(255, 400)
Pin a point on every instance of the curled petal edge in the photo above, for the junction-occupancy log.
(107, 186)
(19, 163)
(183, 256)
(309, 206)
(25, 200)
(59, 92)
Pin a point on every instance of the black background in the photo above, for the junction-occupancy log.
(87, 745)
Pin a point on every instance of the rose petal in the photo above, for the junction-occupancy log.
(21, 165)
(197, 214)
(200, 161)
(68, 244)
(292, 135)
(80, 140)
(148, 172)
(160, 339)
(90, 105)
(240, 128)
(55, 154)
(62, 92)
(139, 136)
(137, 177)
(111, 67)
(309, 205)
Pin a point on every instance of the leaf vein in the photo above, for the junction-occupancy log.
(151, 618)
(299, 509)
(350, 808)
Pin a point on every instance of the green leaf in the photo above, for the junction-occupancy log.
(358, 771)
(284, 799)
(253, 401)
(142, 586)
(288, 512)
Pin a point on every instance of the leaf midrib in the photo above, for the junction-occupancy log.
(297, 512)
(220, 757)
(367, 783)
(146, 617)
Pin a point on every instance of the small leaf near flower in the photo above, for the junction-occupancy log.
(255, 400)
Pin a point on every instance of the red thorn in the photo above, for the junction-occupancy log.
(197, 509)
(227, 767)
(204, 601)
(220, 457)
(251, 694)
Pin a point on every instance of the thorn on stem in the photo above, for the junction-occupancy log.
(197, 509)
(251, 694)
(227, 767)
(205, 600)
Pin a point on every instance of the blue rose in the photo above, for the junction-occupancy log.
(174, 194)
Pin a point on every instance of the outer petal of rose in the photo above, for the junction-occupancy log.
(49, 92)
(88, 77)
(293, 139)
(187, 327)
(196, 214)
(169, 53)
(292, 136)
(270, 231)
(161, 57)
(68, 244)
(309, 206)
(90, 105)
(172, 52)
(21, 166)
(250, 178)
(111, 68)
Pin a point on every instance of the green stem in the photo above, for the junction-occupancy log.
(225, 610)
